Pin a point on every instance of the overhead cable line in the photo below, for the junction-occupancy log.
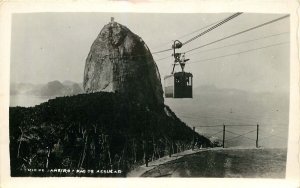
(212, 28)
(240, 52)
(200, 29)
(162, 58)
(243, 42)
(162, 51)
(128, 56)
(235, 44)
(204, 32)
(238, 33)
(185, 35)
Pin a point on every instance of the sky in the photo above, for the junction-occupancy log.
(54, 46)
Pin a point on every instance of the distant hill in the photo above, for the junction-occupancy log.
(93, 131)
(50, 89)
(54, 88)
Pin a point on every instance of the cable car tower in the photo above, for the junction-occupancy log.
(178, 84)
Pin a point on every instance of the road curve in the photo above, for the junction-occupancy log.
(230, 162)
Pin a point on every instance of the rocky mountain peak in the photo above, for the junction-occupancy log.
(120, 61)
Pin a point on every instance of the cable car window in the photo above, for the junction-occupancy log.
(189, 81)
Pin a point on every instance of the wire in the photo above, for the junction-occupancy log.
(230, 37)
(200, 29)
(215, 134)
(239, 135)
(163, 44)
(238, 33)
(127, 56)
(162, 58)
(243, 42)
(240, 125)
(213, 27)
(204, 32)
(219, 118)
(239, 52)
(211, 126)
(208, 129)
(162, 51)
(242, 135)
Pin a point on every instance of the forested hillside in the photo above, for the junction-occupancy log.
(96, 131)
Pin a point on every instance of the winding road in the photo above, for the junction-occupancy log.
(228, 162)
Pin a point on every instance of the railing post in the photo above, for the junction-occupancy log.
(257, 129)
(193, 138)
(223, 136)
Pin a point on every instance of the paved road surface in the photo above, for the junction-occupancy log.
(246, 163)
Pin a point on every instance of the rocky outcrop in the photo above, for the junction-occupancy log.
(120, 61)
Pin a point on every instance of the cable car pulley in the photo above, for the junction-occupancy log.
(178, 84)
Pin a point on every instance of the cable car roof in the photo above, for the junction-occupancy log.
(183, 73)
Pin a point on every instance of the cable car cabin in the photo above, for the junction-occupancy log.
(179, 85)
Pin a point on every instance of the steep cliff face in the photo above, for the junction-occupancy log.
(120, 61)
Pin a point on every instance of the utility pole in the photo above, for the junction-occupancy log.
(223, 136)
(257, 129)
(193, 138)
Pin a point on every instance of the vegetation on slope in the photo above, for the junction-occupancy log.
(97, 131)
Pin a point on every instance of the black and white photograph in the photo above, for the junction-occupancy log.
(139, 94)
